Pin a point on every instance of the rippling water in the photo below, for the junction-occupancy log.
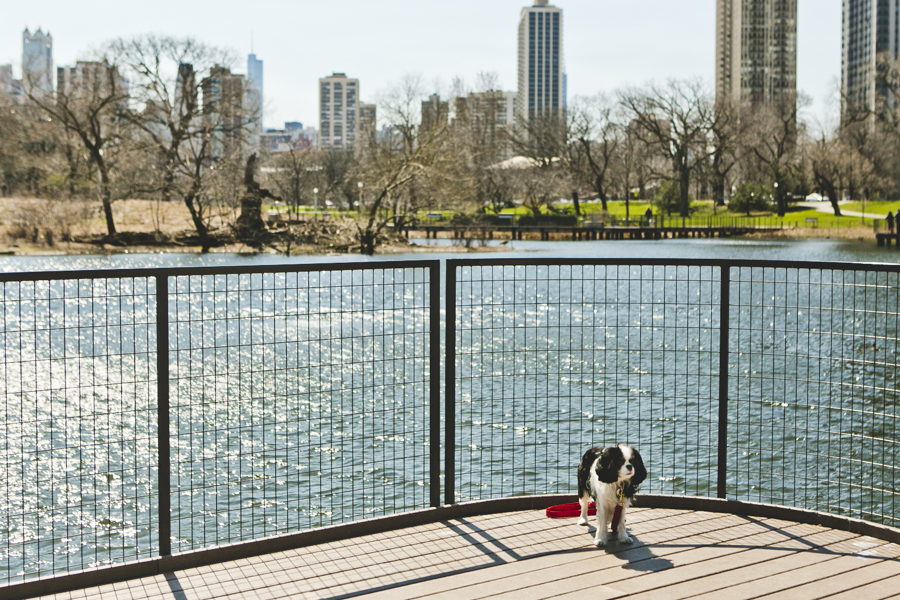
(300, 402)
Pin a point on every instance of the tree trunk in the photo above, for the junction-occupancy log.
(601, 192)
(199, 225)
(719, 190)
(575, 203)
(780, 201)
(832, 194)
(685, 188)
(106, 198)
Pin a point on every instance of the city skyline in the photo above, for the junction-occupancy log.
(388, 40)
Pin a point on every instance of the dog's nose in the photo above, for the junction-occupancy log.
(628, 467)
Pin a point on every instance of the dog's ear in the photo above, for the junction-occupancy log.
(607, 467)
(640, 471)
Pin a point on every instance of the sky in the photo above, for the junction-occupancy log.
(608, 43)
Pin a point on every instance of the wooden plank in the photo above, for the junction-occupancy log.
(632, 578)
(719, 574)
(563, 571)
(789, 580)
(850, 581)
(582, 551)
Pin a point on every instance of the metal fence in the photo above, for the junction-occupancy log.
(166, 411)
(157, 412)
(766, 382)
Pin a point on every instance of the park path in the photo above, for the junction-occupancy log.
(825, 207)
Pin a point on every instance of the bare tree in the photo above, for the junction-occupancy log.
(543, 138)
(192, 135)
(295, 175)
(392, 163)
(674, 121)
(775, 143)
(87, 105)
(594, 139)
(827, 163)
(727, 129)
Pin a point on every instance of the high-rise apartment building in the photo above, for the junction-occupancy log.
(756, 50)
(224, 98)
(368, 121)
(435, 113)
(495, 108)
(871, 32)
(489, 117)
(339, 112)
(91, 80)
(542, 82)
(37, 60)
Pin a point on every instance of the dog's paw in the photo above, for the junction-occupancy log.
(582, 521)
(600, 542)
(625, 538)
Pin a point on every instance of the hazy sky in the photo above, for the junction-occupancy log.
(608, 43)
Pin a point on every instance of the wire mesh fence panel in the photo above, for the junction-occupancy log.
(298, 399)
(813, 419)
(78, 389)
(555, 358)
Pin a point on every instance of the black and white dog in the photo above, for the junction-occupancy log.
(610, 476)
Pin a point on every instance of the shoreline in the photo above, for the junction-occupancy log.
(21, 248)
(27, 224)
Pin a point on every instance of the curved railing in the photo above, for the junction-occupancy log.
(158, 418)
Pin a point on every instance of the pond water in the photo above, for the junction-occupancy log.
(736, 248)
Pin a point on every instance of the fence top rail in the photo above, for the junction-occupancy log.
(215, 270)
(673, 262)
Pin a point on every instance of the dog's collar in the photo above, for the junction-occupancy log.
(620, 493)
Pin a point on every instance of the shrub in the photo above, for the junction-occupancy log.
(751, 196)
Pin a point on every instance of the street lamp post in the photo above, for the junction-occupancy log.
(359, 205)
(316, 205)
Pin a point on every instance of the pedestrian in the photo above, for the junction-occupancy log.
(649, 216)
(890, 222)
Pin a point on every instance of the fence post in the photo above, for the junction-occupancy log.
(434, 308)
(162, 415)
(450, 388)
(724, 325)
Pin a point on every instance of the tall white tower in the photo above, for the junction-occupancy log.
(37, 60)
(542, 85)
(255, 81)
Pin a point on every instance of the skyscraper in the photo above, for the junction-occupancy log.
(338, 112)
(255, 81)
(871, 32)
(756, 50)
(541, 69)
(37, 60)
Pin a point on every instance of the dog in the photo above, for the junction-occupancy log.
(611, 477)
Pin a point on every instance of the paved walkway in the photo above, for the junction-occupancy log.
(676, 554)
(825, 207)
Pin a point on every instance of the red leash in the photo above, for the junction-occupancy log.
(617, 516)
(561, 511)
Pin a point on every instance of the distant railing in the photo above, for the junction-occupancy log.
(162, 412)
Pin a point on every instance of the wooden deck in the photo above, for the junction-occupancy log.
(676, 554)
